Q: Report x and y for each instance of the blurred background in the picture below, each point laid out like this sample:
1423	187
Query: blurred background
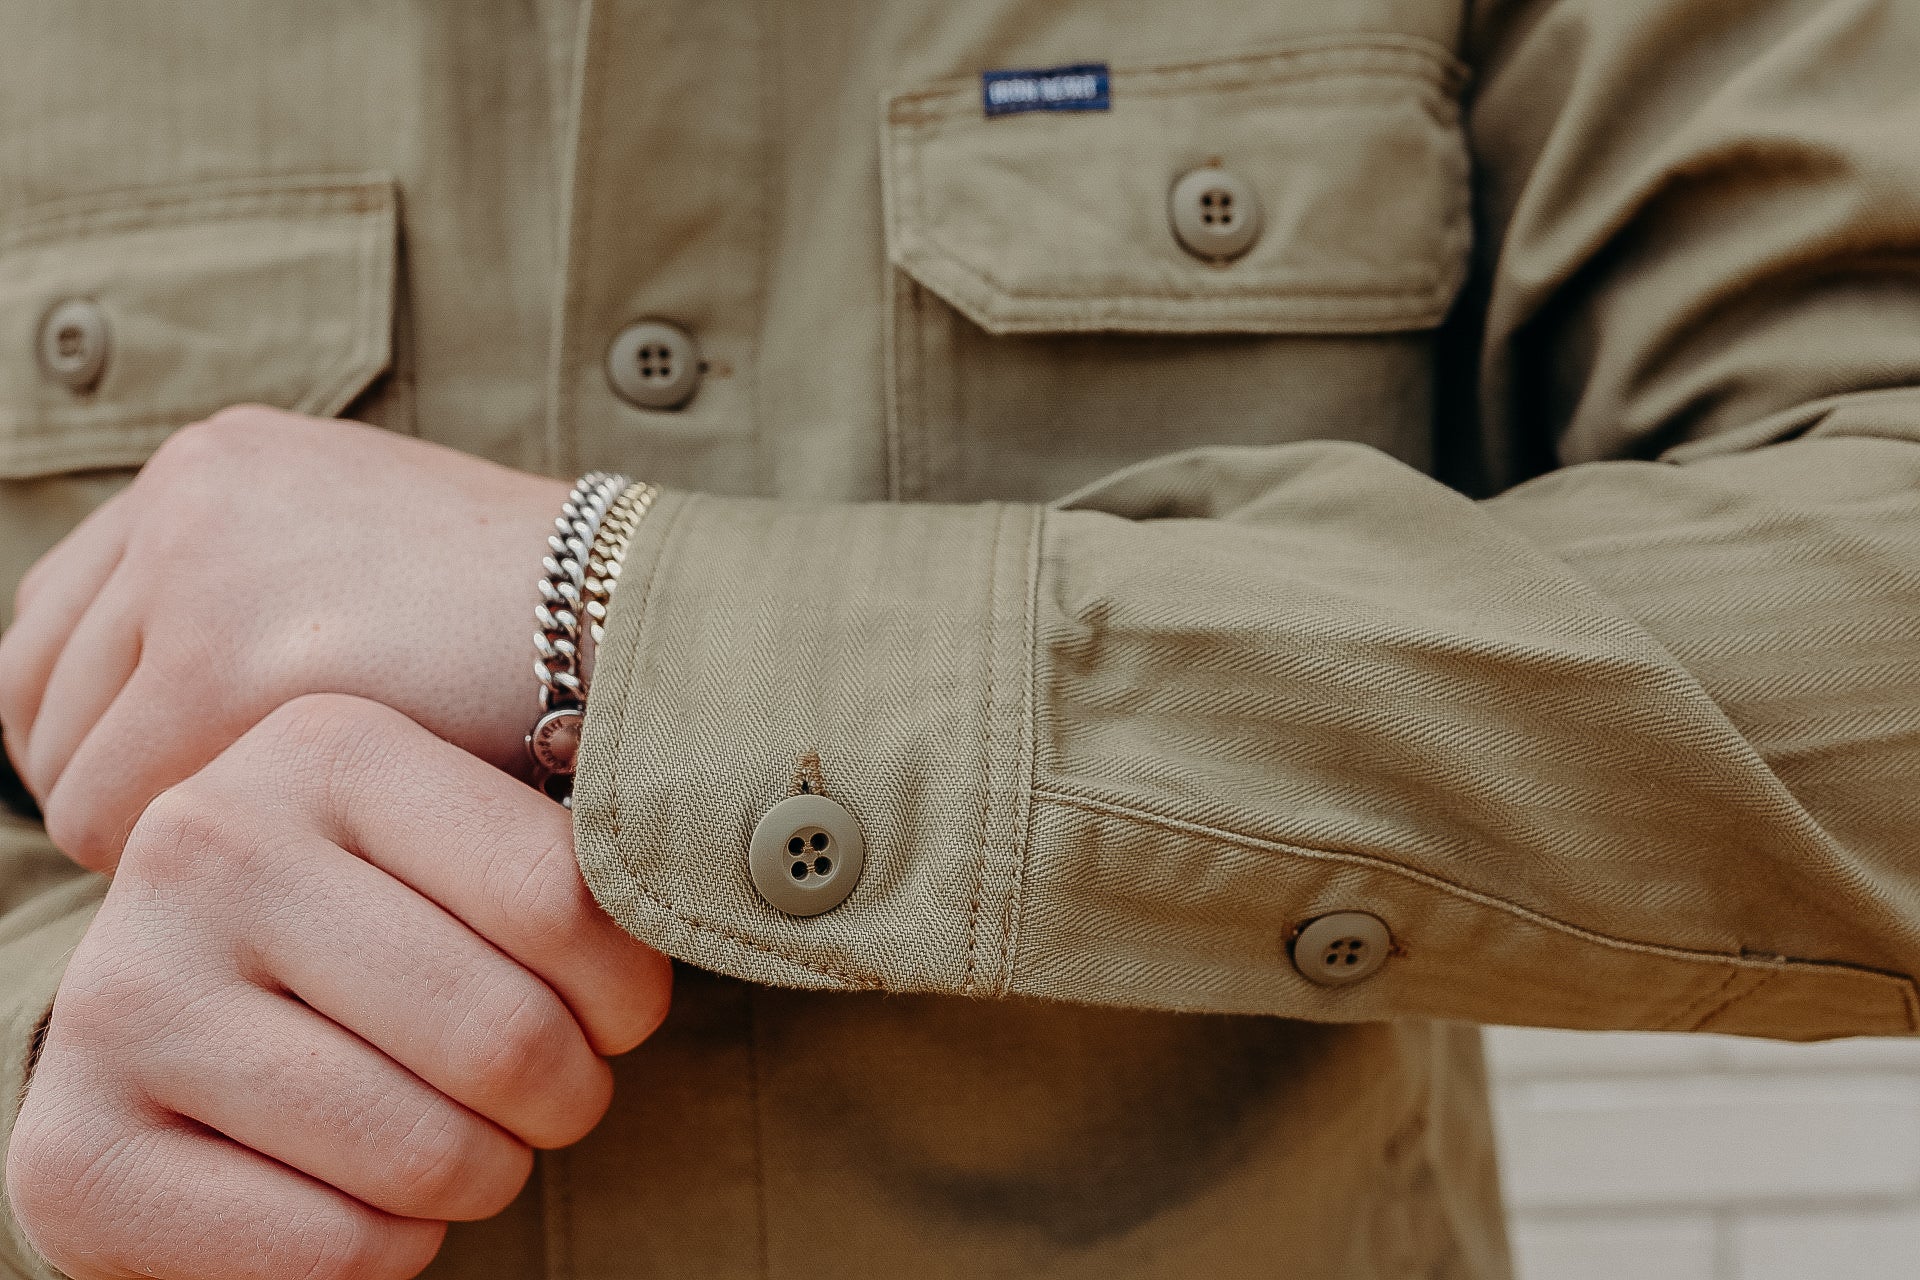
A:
1656	1157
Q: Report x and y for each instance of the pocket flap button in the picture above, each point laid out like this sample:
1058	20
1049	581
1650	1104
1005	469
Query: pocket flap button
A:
73	344
1216	215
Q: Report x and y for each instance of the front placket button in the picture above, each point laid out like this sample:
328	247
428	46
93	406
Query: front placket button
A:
654	365
806	855
1345	947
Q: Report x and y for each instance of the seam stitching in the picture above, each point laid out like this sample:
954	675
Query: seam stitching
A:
1030	754
1746	963
140	213
1314	59
328	389
638	885
728	934
1420	299
986	758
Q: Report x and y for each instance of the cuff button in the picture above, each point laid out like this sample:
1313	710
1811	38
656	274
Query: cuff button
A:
806	855
1342	948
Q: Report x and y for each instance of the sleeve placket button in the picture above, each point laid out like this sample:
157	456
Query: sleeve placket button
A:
1342	948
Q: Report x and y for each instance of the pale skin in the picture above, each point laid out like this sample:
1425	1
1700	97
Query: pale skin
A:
347	975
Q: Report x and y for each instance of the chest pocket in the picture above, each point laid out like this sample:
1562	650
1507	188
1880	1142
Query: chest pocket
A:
1245	251
125	317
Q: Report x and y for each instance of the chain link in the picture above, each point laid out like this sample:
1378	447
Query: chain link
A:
554	743
609	552
556	644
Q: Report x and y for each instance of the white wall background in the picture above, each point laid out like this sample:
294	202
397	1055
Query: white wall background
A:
1654	1157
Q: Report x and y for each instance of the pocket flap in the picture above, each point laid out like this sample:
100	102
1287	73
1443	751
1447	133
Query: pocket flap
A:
1054	221
277	293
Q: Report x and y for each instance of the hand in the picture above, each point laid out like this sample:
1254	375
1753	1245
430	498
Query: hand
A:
260	556
345	978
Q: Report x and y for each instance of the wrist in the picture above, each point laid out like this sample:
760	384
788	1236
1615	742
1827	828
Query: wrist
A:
476	683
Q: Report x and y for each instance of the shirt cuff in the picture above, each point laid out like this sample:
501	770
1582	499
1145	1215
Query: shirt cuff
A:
878	654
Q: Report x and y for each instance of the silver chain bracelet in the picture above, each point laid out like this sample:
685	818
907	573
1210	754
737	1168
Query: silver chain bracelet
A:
554	743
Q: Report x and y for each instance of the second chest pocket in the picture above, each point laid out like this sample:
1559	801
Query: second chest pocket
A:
1245	251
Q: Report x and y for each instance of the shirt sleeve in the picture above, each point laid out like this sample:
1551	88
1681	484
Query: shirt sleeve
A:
46	904
1632	744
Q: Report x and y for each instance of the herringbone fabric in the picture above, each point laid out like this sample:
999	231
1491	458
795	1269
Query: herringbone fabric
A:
1518	542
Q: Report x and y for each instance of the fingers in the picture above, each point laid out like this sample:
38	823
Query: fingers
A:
175	1202
52	599
96	662
294	1086
494	853
422	987
136	749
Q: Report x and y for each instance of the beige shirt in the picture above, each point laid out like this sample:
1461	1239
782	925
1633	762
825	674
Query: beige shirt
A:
1112	587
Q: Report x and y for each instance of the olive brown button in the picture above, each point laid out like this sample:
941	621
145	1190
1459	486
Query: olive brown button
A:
806	855
1341	948
73	343
654	365
1216	215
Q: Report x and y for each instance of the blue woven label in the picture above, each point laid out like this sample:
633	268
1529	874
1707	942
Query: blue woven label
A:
1077	88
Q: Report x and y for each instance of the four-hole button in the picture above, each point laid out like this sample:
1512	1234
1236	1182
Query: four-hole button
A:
1216	214
1342	948
806	855
654	365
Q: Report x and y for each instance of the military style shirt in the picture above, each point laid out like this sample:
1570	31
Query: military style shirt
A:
1279	531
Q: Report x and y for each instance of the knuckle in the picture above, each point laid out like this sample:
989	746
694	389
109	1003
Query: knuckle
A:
512	1042
544	894
448	1165
321	719
104	1004
193	449
41	1172
334	1245
179	836
328	737
434	1164
66	1179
